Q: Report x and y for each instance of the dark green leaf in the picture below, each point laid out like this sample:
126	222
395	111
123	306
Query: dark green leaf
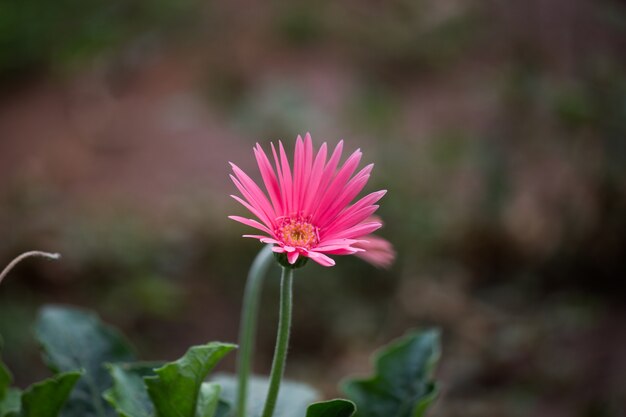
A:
403	385
46	398
129	395
176	387
331	408
73	339
10	404
293	397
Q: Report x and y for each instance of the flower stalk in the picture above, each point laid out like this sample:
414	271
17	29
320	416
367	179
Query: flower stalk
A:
282	341
248	325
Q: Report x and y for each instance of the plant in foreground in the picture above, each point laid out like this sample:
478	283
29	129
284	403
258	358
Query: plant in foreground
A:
308	214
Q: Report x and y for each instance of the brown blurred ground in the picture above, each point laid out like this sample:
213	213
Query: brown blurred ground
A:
498	128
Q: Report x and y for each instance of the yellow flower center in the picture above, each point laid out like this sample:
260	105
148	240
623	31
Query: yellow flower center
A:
297	232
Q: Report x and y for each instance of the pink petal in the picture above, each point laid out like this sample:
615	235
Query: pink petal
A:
327	175
308	165
315	178
270	240
359	230
252	192
342	251
349	220
339	246
292	257
262	216
281	180
263	239
354	214
350	191
378	251
251	223
340	241
269	178
338	249
320	258
288	181
338	183
298	173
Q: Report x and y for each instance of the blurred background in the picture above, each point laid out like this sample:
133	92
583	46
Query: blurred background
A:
498	128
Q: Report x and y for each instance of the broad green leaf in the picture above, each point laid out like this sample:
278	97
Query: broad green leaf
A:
293	397
176	388
129	395
403	384
46	398
10	403
76	339
331	408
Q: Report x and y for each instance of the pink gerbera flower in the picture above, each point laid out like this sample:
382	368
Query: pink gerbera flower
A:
306	211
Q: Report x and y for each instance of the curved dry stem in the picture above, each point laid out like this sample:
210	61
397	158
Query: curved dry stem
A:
25	255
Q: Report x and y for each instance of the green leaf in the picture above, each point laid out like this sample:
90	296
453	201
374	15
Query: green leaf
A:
46	398
129	395
175	390
10	403
75	339
293	397
331	408
403	385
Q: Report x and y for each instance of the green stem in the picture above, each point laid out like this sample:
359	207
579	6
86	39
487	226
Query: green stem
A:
247	327
282	341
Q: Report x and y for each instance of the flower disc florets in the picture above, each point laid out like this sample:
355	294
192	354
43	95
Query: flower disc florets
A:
297	232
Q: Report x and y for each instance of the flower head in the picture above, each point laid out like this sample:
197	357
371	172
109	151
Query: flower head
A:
307	211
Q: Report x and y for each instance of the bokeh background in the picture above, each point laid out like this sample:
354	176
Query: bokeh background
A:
498	127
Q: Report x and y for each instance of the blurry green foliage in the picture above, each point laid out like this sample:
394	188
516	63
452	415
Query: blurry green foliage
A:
152	295
119	246
374	107
95	376
36	34
46	398
573	107
332	408
300	23
403	384
276	109
404	35
177	389
72	339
